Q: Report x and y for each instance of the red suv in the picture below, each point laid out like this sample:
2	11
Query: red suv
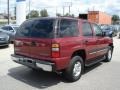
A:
62	44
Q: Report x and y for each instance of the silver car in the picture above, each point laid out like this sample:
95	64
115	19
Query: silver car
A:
4	39
10	30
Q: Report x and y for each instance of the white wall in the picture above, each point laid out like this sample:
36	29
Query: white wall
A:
20	11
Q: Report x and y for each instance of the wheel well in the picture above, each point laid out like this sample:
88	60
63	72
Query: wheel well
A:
81	53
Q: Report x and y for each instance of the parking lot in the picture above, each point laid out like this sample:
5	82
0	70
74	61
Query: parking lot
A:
102	76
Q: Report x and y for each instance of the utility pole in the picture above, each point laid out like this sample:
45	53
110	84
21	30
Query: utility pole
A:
0	5
56	11
29	8
70	5
63	10
8	6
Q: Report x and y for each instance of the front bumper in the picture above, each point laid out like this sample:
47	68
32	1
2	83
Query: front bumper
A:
33	63
4	43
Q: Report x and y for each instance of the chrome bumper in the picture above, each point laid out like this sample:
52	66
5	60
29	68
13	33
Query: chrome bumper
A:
44	65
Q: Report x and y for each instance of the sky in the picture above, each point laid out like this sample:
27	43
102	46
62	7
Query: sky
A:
77	6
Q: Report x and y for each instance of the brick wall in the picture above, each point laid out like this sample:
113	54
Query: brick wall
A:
99	17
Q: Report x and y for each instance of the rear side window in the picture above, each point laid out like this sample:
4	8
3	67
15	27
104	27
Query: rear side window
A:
86	29
25	29
68	28
37	29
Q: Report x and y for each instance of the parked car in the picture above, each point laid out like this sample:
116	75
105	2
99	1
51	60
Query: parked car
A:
119	35
109	30
4	39
10	30
65	45
117	27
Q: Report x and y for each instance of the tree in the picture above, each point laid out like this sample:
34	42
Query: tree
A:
58	14
33	14
68	15
44	13
115	18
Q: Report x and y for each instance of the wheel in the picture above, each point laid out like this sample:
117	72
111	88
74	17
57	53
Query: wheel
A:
119	36
74	70
108	56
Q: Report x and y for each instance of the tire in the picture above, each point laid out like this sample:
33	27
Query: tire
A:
74	70
7	46
108	56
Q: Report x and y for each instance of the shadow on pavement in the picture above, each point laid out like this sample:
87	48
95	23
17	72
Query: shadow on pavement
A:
4	47
39	78
91	68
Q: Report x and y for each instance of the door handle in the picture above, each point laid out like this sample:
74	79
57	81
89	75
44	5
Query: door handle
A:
86	41
33	43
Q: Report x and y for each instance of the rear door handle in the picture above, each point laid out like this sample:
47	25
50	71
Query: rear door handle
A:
33	43
86	41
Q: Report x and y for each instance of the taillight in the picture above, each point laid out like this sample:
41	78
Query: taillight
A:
55	50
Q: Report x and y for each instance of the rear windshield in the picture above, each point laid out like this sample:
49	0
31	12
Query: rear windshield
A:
36	29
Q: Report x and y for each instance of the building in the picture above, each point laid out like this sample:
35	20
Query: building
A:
4	16
97	17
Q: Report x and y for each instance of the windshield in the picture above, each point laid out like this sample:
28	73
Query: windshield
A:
42	28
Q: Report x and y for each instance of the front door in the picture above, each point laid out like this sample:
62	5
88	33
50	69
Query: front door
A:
102	47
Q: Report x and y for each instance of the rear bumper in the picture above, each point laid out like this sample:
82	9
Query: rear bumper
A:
33	63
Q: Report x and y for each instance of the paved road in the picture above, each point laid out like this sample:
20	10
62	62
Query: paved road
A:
102	76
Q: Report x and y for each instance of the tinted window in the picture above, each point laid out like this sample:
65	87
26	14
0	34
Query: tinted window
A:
7	28
86	29
68	28
97	29
36	29
10	28
25	29
43	29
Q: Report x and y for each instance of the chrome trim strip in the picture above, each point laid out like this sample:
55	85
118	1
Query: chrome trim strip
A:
98	51
102	50
92	53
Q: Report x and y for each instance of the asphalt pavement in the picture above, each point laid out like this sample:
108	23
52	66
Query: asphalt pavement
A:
102	76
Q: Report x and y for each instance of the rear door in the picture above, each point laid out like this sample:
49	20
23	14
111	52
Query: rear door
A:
42	34
22	39
33	39
89	41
